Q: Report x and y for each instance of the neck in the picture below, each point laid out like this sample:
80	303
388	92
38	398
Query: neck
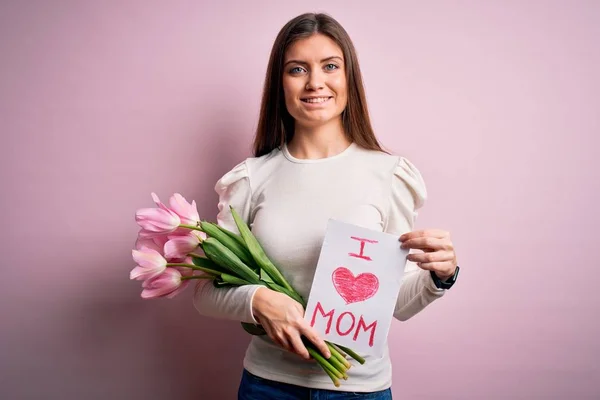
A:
319	141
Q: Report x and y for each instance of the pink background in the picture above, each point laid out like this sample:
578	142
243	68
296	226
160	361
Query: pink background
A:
101	103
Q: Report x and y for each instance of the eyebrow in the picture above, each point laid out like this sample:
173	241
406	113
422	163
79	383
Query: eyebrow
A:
305	63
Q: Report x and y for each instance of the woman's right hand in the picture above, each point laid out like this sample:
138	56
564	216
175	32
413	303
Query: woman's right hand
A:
283	319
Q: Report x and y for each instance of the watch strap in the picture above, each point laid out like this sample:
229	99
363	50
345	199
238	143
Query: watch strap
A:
448	283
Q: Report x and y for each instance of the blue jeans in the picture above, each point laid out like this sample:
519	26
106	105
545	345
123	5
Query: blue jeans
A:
253	387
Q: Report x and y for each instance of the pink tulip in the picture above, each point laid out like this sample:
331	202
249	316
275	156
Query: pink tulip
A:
159	203
181	246
168	284
150	264
155	243
184	270
157	221
188	213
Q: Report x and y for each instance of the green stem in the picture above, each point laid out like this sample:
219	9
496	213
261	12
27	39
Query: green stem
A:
190	227
197	277
207	270
336	353
335	346
323	362
352	354
338	365
334	379
333	361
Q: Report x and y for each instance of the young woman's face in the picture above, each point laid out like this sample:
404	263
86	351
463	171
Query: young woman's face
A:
314	81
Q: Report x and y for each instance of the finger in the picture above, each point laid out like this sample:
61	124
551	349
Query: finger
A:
437	256
428	243
437	233
299	347
314	337
442	268
284	342
276	338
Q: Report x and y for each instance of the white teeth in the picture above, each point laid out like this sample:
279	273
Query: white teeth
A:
316	100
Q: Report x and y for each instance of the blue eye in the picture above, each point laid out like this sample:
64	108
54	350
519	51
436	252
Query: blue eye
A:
296	70
328	67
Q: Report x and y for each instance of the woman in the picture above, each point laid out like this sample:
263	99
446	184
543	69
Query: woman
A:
316	157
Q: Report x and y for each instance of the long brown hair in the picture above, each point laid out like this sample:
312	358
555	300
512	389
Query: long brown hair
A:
276	125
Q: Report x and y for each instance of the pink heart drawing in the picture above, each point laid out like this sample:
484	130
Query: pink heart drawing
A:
354	289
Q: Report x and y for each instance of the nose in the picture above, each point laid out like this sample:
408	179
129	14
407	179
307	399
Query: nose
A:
315	81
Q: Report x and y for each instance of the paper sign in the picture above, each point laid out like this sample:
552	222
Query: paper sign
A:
355	287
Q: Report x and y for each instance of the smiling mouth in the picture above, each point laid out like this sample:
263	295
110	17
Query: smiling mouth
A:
316	100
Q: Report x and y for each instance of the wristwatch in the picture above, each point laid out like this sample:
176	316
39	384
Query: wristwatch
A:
448	283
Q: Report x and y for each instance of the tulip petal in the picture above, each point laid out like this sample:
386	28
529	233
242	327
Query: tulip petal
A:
148	258
157	220
150	263
185	271
180	246
158	202
150	235
178	290
200	235
162	285
149	243
139	273
188	213
160	241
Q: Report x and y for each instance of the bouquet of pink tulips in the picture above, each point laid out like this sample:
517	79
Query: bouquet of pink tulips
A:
167	259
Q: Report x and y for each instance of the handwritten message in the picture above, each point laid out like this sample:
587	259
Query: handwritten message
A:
355	287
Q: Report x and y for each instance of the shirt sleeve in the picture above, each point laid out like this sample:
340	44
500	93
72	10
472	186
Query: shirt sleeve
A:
408	194
234	303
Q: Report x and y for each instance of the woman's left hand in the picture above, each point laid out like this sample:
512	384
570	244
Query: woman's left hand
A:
438	251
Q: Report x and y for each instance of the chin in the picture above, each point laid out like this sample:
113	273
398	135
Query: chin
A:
317	119
313	122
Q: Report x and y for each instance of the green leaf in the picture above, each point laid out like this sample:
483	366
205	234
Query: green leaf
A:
257	251
232	235
265	277
234	245
253	329
233	280
206	263
220	254
291	293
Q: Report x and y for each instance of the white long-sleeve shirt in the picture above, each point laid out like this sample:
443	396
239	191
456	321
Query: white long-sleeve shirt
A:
287	202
